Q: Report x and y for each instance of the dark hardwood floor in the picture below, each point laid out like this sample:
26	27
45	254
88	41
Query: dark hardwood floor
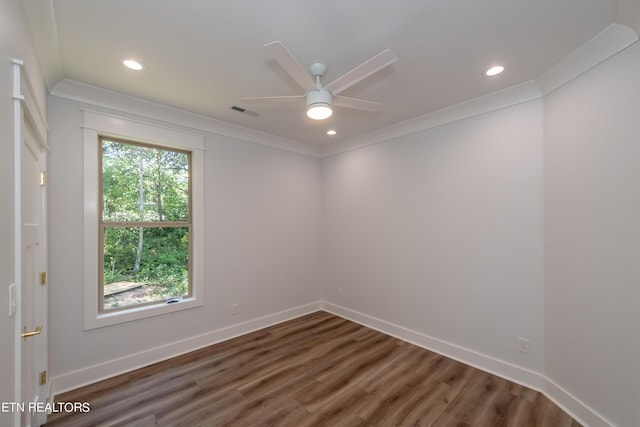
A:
317	370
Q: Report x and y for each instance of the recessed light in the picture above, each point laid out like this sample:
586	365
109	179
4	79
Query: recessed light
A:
494	71
134	65
331	132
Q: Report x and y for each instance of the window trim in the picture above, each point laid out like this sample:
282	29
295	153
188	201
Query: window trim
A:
95	124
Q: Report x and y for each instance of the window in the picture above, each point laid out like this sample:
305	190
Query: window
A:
143	220
145	225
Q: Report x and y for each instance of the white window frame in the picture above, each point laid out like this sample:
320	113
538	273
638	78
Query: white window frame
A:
95	124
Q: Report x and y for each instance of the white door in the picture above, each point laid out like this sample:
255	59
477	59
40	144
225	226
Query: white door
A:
33	296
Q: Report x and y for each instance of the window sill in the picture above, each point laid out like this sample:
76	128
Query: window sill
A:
136	313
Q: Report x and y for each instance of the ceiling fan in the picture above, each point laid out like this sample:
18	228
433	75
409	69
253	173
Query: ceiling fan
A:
320	99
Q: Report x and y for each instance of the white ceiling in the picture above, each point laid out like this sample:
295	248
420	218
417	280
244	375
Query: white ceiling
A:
203	56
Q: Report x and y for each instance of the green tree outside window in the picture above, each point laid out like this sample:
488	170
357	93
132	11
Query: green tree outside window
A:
145	224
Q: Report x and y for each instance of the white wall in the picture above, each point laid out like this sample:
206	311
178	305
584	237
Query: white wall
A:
440	232
592	237
15	42
263	208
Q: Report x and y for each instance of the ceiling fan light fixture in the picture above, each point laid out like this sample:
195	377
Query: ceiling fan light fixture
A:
319	104
319	111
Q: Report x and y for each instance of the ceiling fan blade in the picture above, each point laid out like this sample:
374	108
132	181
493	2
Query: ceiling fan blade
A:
274	100
290	65
356	104
361	72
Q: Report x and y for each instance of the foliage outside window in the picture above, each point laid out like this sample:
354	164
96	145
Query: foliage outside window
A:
145	225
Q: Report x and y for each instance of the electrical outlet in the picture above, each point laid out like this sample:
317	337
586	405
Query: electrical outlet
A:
523	345
234	308
340	292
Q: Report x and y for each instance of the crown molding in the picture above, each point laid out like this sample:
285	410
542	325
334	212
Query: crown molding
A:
609	42
494	101
196	123
612	40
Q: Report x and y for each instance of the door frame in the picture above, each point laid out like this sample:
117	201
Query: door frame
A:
26	109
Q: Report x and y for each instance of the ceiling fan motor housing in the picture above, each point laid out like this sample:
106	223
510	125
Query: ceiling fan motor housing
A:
321	96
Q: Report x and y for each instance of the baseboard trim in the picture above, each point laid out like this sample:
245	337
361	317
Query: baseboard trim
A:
75	379
533	380
573	406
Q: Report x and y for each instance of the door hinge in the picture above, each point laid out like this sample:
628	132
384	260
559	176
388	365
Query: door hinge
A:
43	377
43	278
43	178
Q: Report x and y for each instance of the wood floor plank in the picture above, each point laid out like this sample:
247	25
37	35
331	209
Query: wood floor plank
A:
410	365
316	370
410	405
471	405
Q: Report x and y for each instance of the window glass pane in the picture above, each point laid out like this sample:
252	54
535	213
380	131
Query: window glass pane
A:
144	264
141	183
